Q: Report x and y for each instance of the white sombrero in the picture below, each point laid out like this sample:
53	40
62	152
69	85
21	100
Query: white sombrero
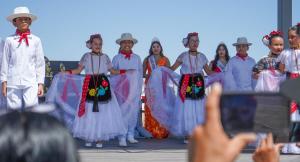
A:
21	12
241	41
126	36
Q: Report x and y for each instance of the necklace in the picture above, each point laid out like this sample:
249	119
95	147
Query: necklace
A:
196	63
95	80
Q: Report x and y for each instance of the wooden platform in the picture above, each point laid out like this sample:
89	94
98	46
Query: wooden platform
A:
152	150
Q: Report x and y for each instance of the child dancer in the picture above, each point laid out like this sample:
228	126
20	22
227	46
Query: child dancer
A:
155	59
289	63
99	117
189	111
221	59
23	66
238	72
267	68
126	60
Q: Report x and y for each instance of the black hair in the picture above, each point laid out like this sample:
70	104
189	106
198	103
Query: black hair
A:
298	29
215	61
35	137
151	52
294	28
274	36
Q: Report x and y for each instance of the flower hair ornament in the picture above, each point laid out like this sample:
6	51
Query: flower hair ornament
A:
88	43
185	41
266	38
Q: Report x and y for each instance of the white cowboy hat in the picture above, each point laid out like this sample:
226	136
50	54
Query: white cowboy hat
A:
242	40
126	36
21	12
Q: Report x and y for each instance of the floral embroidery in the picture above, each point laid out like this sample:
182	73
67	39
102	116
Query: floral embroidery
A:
104	83
92	92
101	90
192	85
188	89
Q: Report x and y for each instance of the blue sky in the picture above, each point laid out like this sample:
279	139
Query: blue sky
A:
65	25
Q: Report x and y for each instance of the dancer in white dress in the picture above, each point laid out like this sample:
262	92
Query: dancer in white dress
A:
266	71
189	111
289	64
99	118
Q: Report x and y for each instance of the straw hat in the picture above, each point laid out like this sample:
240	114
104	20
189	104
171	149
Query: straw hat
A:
241	41
126	36
21	12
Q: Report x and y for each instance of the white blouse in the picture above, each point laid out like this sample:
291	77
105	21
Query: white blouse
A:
21	64
89	59
120	62
291	60
192	64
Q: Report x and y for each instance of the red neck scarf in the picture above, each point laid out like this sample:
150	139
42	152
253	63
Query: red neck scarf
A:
127	54
243	57
23	36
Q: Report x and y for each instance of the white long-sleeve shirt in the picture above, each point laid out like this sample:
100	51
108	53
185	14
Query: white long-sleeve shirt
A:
1	50
22	65
120	62
238	74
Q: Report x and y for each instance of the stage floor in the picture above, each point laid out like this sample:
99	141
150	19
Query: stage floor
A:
151	150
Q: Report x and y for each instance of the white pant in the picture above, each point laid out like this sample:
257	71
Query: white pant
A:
16	94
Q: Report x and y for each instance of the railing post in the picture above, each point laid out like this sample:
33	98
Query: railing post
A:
284	18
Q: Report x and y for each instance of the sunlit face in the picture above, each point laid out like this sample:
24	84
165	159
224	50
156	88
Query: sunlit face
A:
22	23
156	49
221	51
193	43
294	39
277	45
96	45
242	49
126	45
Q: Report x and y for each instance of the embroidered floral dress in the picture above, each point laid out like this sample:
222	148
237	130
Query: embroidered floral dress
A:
107	122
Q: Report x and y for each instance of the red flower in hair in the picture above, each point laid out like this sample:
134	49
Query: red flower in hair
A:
267	37
193	34
273	33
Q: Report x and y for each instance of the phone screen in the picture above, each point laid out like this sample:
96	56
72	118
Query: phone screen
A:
256	112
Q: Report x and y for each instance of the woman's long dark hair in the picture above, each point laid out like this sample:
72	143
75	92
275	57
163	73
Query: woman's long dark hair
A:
215	61
151	52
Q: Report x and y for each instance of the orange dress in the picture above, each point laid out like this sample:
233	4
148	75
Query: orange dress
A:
151	124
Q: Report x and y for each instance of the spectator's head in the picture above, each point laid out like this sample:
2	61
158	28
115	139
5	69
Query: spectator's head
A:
34	137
